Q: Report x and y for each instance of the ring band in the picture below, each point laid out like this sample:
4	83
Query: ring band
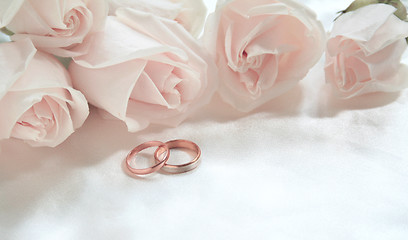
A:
159	163
181	168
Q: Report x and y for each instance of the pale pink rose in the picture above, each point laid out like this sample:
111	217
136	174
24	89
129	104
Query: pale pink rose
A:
59	26
8	8
364	52
145	69
262	48
37	102
189	13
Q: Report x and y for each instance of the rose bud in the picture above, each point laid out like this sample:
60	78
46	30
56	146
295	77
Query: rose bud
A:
365	56
59	27
37	102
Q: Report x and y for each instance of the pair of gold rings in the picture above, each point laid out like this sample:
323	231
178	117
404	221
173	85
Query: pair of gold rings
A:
162	155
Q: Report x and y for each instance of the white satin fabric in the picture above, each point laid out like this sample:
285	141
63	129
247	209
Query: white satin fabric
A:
303	166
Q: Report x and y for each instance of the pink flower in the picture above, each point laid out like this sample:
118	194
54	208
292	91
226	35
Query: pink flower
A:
364	52
263	48
37	102
189	13
59	26
145	69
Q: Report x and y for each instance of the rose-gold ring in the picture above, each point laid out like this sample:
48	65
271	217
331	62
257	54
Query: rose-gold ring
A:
159	161
170	168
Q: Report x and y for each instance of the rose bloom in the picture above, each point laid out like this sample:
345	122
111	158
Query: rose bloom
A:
262	48
145	69
37	102
364	52
189	13
59	26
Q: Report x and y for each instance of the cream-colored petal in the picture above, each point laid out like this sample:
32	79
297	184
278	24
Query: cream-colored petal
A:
8	9
12	68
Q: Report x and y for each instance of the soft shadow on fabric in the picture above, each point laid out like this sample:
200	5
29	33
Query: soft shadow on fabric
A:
286	105
329	105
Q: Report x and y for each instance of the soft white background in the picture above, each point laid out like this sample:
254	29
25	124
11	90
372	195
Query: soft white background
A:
303	166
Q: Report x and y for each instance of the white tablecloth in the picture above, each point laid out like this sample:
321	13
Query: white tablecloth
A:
303	166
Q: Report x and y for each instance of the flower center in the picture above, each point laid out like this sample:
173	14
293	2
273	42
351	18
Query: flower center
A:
76	22
246	62
35	123
164	84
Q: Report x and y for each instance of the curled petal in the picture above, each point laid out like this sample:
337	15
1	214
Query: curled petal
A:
13	68
262	47
364	56
45	108
383	26
61	27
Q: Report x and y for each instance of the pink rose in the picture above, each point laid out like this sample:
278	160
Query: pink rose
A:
145	69
364	52
37	102
59	26
189	13
263	48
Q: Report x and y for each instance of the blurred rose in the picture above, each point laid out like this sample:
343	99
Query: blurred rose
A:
364	52
189	13
263	48
59	26
8	8
145	69
37	102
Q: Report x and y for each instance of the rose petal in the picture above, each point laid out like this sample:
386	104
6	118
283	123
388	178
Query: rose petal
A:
146	91
166	32
162	8
99	10
109	51
13	68
8	9
158	74
43	27
61	27
190	14
262	47
375	21
43	71
364	52
101	91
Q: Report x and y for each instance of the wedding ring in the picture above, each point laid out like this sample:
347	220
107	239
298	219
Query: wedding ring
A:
181	168
159	159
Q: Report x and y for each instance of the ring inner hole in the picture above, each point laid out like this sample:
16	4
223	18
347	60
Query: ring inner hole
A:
144	159
179	156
